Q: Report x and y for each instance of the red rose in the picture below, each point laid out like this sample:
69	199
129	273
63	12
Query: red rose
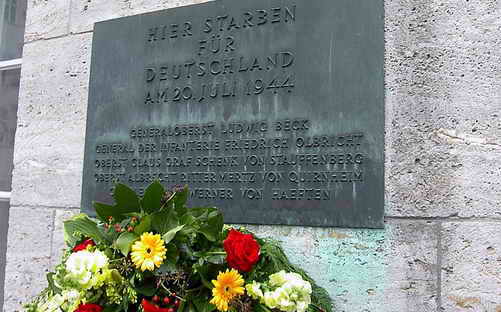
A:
242	251
89	307
82	246
151	307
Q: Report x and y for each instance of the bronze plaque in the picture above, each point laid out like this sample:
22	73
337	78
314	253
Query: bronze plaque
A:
271	110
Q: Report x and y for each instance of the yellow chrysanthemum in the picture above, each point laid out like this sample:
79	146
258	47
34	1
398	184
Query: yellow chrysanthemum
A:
148	252
228	285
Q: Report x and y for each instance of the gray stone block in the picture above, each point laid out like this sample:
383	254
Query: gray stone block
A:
444	178
28	254
24	281
442	96
46	19
471	266
368	270
84	13
51	122
58	245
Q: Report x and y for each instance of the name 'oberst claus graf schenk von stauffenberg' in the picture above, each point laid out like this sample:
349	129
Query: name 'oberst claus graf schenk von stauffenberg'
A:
272	111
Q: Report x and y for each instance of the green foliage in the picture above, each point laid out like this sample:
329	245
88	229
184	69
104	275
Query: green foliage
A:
113	308
82	226
201	304
172	254
164	221
125	241
126	203
52	285
179	200
273	259
195	255
151	201
144	226
147	290
126	199
212	226
104	211
167	237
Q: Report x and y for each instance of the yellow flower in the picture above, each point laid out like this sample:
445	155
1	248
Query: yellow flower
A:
228	285
148	252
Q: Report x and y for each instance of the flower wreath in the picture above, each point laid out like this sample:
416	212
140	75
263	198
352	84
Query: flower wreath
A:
153	254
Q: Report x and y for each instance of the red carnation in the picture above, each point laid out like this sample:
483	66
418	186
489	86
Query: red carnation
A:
150	307
82	246
89	307
242	251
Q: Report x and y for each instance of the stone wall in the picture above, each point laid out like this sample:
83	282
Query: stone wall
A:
441	246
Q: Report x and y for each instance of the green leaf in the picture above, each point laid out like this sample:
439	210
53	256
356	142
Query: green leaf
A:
125	241
105	211
202	304
167	237
132	214
182	306
180	199
80	225
262	308
109	252
216	259
213	227
166	268
202	271
164	221
52	285
187	251
143	226
172	254
146	290
191	308
187	219
126	199
115	275
152	198
201	212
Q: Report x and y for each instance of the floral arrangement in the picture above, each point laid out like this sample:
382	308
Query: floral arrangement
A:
154	254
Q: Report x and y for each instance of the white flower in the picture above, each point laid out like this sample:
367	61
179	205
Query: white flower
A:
254	290
289	292
271	299
100	261
278	279
301	306
52	305
70	299
87	268
72	295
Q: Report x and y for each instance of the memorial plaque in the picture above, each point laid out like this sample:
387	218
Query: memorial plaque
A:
271	110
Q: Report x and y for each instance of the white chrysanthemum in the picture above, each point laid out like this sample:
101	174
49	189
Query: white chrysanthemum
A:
254	290
84	260
271	299
87	268
72	295
301	306
53	304
76	263
289	292
278	279
69	299
99	261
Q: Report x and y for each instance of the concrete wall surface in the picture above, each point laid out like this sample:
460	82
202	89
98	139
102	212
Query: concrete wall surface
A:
441	246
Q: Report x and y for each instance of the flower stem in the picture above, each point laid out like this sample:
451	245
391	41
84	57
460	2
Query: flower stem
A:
170	292
216	253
